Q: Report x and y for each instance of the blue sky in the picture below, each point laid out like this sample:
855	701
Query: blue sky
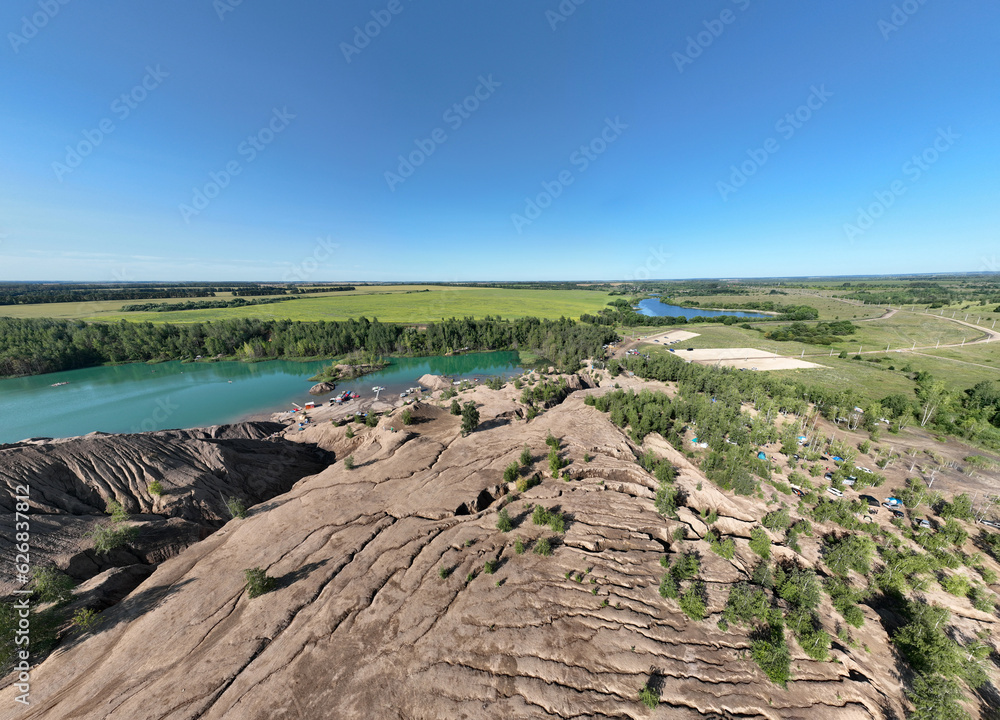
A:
622	140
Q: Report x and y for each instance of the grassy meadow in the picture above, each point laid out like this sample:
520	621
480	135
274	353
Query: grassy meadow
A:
388	303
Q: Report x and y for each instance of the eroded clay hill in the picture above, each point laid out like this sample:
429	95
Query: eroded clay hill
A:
71	481
363	623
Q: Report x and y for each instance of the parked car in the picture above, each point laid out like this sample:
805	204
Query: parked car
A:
835	491
924	524
899	513
991	523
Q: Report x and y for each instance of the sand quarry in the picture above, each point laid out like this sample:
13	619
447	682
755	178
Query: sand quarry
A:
744	359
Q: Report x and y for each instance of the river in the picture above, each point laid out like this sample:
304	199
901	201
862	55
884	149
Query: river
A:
652	307
140	397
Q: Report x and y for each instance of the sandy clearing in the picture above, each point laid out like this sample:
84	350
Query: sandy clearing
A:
746	358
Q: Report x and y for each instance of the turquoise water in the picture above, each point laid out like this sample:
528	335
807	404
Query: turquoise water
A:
140	397
654	308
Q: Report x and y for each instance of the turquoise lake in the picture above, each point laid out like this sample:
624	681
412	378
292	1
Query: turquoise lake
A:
651	307
140	397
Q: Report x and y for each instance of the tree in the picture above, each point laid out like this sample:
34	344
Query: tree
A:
936	697
470	418
850	552
456	409
760	543
504	523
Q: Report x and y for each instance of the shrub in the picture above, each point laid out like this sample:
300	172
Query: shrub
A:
526	483
470	418
510	473
850	552
349	462
649	697
746	604
760	543
526	458
444	572
156	488
543	547
85	620
350	432
456	408
726	548
555	462
518	546
770	651
50	585
551	441
539	516
956	585
116	511
668	586
692	602
371	420
257	582
470	577
777	519
982	599
490	567
936	697
504	523
407	416
680	533
108	536
557	522
587	457
686	567
236	508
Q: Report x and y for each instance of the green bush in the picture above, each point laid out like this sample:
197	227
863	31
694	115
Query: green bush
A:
349	462
504	523
760	543
746	604
936	697
470	418
116	511
519	546
511	472
257	582
456	408
85	620
540	515
350	432
526	483
649	697
407	416
108	536
557	522
444	572
778	519
668	586
770	651
552	442
686	567
156	488
692	602
543	547
526	458
490	567
956	585
236	508
50	585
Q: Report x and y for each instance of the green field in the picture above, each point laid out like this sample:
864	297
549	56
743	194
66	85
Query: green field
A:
389	303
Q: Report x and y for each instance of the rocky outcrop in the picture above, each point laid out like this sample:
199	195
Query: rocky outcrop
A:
323	388
383	607
434	382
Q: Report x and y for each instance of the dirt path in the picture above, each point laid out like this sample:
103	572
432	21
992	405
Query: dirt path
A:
885	316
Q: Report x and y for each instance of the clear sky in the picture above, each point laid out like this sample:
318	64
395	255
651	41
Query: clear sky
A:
614	139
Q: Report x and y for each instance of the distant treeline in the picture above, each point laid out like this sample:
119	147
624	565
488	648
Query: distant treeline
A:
280	290
33	293
210	304
924	293
35	346
620	312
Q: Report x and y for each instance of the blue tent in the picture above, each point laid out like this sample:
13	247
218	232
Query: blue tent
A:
761	456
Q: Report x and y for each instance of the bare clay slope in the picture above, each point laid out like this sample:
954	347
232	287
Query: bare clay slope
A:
362	625
70	483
